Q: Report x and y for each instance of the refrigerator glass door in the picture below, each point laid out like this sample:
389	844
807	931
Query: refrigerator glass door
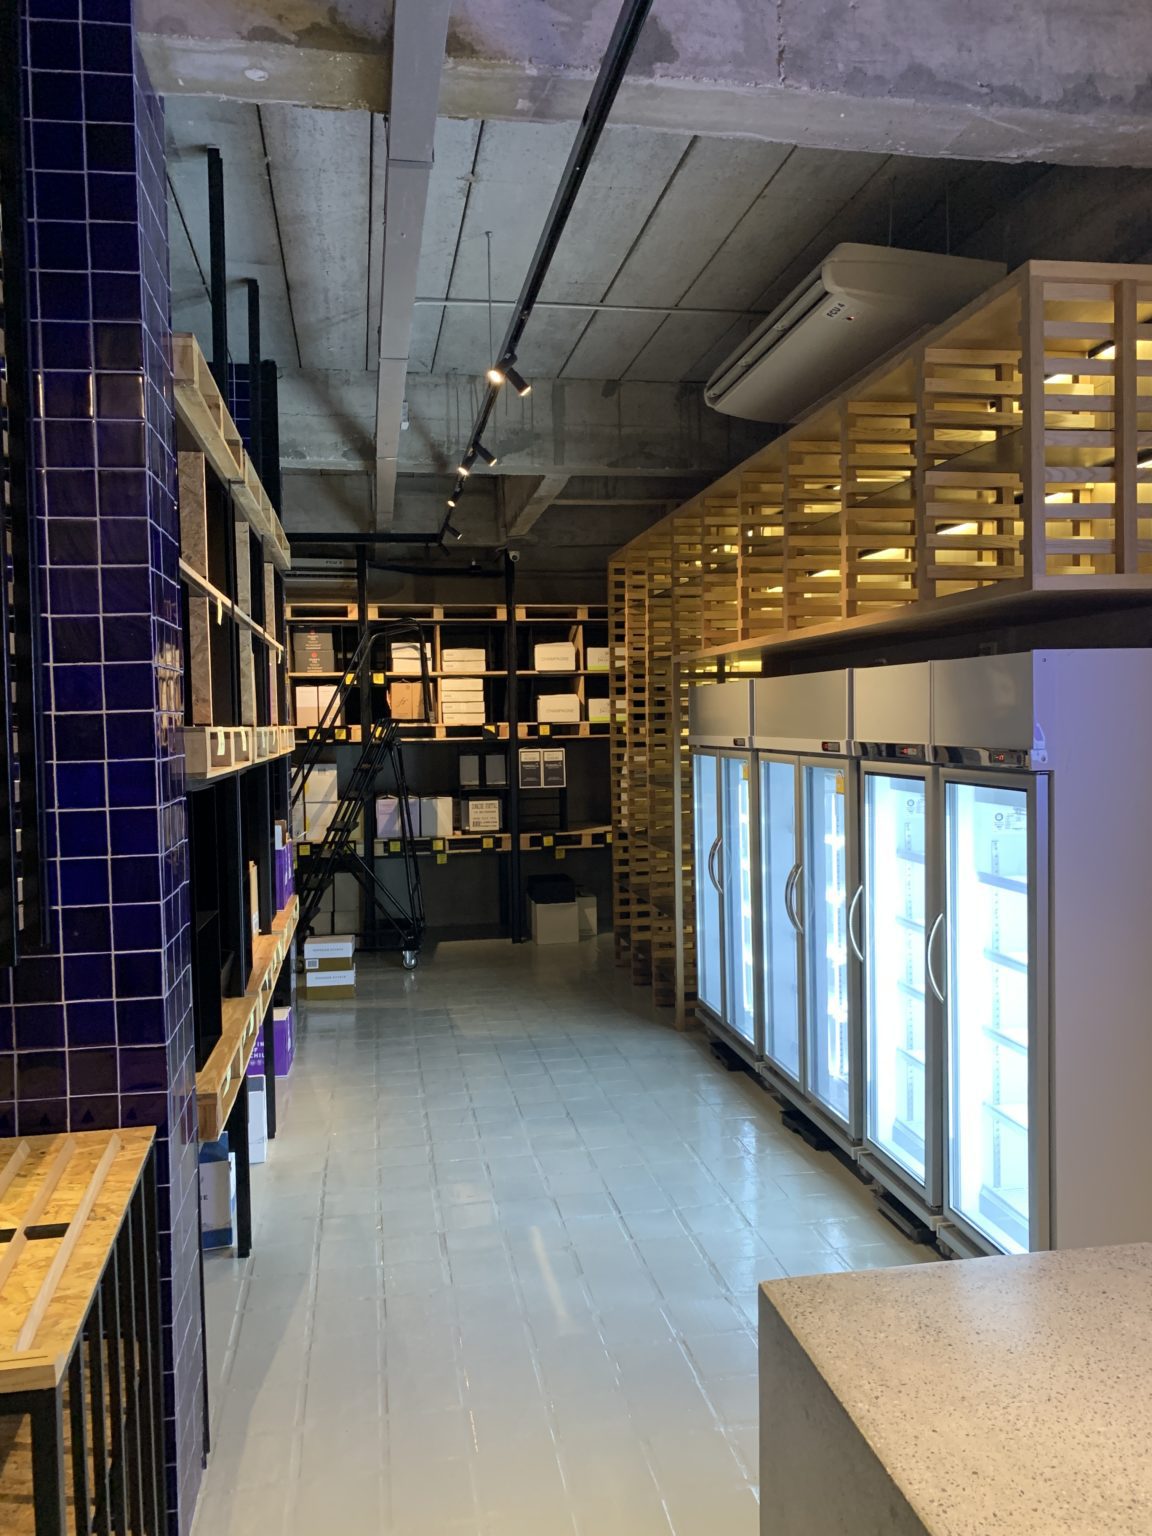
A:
988	898
706	808
734	869
821	897
781	973
895	1004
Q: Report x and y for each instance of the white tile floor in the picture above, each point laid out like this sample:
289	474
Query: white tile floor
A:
505	1267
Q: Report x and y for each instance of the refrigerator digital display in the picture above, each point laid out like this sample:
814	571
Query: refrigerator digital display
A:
894	936
988	1009
824	897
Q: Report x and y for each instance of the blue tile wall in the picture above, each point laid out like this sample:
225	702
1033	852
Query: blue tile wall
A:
98	1032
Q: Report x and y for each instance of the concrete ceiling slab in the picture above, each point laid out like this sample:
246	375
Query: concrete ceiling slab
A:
676	345
609	345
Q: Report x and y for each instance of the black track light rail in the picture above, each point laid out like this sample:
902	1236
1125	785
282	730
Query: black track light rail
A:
617	57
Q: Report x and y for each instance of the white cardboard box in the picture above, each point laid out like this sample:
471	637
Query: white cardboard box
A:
587	917
388	816
554	922
467	689
404	658
257	1120
341	946
479	815
462	658
555	657
600	710
330	986
596	658
306	704
435	816
457	714
314	810
217	1194
560	708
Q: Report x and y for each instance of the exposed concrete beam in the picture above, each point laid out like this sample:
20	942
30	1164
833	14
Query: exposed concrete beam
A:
534	508
420	30
982	81
564	427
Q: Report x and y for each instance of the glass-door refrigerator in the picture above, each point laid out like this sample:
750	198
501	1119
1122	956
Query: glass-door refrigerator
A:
888	932
725	836
809	993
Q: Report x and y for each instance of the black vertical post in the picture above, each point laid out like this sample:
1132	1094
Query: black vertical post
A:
49	1496
217	271
268	1029
366	723
237	1129
270	432
515	894
255	381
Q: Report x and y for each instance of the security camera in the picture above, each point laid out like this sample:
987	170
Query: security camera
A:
514	555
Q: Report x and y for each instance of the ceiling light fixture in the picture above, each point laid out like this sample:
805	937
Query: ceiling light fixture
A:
496	375
517	381
482	453
466	463
455	532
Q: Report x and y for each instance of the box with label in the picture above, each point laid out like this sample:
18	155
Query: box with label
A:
600	711
435	816
495	769
217	1194
306	704
554	922
330	986
406	700
313	650
554	657
596	658
340	946
479	815
469	767
404	657
257	1119
558	708
462	688
284	1043
462	658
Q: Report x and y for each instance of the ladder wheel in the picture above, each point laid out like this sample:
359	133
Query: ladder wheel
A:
410	957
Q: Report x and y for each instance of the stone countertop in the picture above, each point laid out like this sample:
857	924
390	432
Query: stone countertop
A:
1001	1395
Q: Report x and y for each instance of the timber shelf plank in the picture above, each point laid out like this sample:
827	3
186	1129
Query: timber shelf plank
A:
218	1081
215	751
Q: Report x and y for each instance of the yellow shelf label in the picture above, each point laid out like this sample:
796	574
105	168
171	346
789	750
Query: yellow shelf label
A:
378	678
548	841
486	842
438	844
560	852
303	850
441	858
545	730
394	845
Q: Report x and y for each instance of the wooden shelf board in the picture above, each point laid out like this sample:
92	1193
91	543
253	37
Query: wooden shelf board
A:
216	751
218	1081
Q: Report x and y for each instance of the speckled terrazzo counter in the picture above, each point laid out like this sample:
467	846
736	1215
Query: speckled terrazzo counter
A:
962	1399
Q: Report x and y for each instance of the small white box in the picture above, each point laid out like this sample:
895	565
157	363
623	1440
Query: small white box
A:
558	708
554	922
306	704
330	985
600	711
316	807
217	1194
458	715
388	820
435	816
587	916
257	1120
462	689
461	658
480	815
596	658
558	657
340	946
404	658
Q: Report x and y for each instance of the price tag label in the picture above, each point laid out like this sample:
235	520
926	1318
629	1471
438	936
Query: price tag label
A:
545	730
560	852
378	679
438	844
548	841
394	845
441	858
486	842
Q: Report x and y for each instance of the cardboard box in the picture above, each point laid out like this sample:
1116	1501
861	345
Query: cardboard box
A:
560	657
554	922
465	689
257	1119
317	805
587	914
253	898
404	657
562	708
279	834
600	710
330	986
596	658
469	770
478	815
313	650
284	1036
341	946
217	1194
388	822
306	704
406	701
495	769
283	875
462	658
435	816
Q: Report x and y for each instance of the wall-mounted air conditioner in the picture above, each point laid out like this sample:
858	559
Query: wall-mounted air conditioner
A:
861	301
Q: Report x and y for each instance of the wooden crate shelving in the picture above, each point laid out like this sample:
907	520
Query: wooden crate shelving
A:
1005	457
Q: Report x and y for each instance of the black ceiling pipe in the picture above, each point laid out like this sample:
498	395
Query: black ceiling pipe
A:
255	381
613	68
217	272
360	538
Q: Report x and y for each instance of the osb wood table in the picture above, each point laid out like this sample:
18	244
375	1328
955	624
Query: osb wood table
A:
81	1407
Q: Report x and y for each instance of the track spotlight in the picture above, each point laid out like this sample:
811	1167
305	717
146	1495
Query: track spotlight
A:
467	462
518	383
496	375
455	532
452	499
482	453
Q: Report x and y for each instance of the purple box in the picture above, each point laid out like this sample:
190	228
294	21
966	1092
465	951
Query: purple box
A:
284	1034
283	876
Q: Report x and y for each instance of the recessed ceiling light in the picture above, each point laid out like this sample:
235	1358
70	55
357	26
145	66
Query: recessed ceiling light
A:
255	74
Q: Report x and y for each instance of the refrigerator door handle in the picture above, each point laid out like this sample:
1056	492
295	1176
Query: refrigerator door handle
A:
796	918
932	982
853	937
711	866
788	888
722	882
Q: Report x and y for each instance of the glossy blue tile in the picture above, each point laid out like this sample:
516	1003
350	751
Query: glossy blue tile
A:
73	541
88	978
80	786
54	45
139	974
133	735
91	1023
123	541
57	146
143	1069
8	1122
85	930
74	591
138	925
82	834
132	784
120	444
134	880
75	639
93	1072
66	395
105	99
100	1113
40	1117
108	49
58	195
39	1026
84	882
117	346
112	198
78	688
134	832
123	493
68	444
7	1079
41	1074
113	247
119	396
37	980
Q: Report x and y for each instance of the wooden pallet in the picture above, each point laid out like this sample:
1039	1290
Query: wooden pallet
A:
218	1081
